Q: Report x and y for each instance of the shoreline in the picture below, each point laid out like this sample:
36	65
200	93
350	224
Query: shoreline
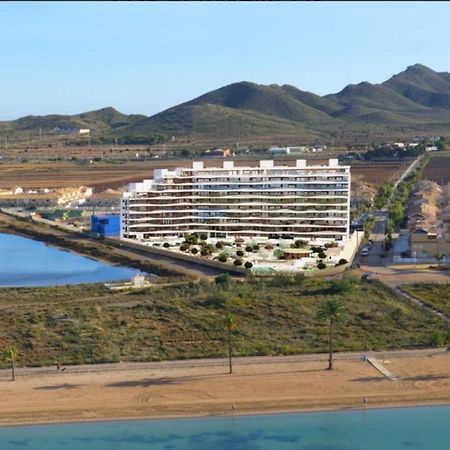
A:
189	391
256	413
86	246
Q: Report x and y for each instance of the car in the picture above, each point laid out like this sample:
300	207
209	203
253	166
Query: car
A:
365	251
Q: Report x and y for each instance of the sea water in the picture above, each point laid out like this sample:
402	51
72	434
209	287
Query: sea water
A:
26	262
424	428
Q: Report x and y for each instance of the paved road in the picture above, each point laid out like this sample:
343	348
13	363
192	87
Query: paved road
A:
217	362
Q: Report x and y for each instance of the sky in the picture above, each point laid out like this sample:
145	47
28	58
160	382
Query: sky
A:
141	58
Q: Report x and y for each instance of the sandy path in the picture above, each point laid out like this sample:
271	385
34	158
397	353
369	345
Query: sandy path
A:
195	390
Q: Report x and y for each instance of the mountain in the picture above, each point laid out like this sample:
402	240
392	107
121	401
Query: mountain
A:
414	101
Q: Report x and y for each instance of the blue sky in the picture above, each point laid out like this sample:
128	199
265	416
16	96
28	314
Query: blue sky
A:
144	57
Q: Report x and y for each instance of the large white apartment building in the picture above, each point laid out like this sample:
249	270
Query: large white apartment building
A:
298	200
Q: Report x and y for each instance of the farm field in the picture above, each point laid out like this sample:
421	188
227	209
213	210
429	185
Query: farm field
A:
377	172
438	169
114	175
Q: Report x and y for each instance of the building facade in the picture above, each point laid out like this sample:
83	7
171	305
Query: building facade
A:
105	224
269	201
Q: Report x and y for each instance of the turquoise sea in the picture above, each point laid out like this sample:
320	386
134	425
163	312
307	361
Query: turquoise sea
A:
26	262
425	428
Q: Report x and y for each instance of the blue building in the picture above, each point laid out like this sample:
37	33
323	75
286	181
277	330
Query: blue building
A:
106	225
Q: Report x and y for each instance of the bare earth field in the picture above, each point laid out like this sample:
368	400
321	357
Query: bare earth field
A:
438	169
103	176
196	389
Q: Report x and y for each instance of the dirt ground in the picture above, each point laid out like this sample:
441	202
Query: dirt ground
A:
174	389
103	176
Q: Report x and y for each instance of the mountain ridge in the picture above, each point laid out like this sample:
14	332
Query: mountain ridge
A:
414	100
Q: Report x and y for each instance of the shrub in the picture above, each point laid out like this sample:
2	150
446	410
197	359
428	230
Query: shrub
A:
322	255
278	253
437	339
223	279
238	262
166	245
204	252
219	244
269	247
203	237
300	243
194	251
248	265
321	266
255	248
342	261
184	247
249	248
240	253
191	238
222	258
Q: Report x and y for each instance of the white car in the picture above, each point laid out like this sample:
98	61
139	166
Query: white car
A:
365	251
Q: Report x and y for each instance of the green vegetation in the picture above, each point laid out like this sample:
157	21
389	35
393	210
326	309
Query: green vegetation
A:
90	324
432	294
10	354
333	312
383	194
398	205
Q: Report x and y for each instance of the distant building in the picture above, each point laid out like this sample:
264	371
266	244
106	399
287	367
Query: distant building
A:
62	197
221	152
84	131
106	225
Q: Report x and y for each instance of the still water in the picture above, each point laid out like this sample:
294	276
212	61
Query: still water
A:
425	428
25	262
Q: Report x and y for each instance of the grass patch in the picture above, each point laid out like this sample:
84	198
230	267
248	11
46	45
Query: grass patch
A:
432	294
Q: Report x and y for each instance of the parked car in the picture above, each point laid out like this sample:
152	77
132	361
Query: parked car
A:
365	251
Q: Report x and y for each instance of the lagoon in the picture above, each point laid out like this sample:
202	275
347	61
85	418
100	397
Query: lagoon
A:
26	262
424	428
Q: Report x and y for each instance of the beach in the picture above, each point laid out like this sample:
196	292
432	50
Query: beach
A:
203	388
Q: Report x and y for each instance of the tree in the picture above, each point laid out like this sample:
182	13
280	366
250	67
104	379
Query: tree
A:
231	325
10	353
440	258
334	312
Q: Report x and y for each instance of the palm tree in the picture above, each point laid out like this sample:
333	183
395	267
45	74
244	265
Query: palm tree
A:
231	325
10	353
334	312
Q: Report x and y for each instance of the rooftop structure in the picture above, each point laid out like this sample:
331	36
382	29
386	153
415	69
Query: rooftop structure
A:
268	202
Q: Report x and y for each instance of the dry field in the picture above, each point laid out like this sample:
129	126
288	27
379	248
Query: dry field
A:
377	172
438	169
103	175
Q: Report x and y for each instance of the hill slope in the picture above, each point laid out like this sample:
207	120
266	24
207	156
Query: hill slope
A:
415	100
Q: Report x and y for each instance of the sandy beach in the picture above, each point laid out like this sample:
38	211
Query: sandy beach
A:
199	389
